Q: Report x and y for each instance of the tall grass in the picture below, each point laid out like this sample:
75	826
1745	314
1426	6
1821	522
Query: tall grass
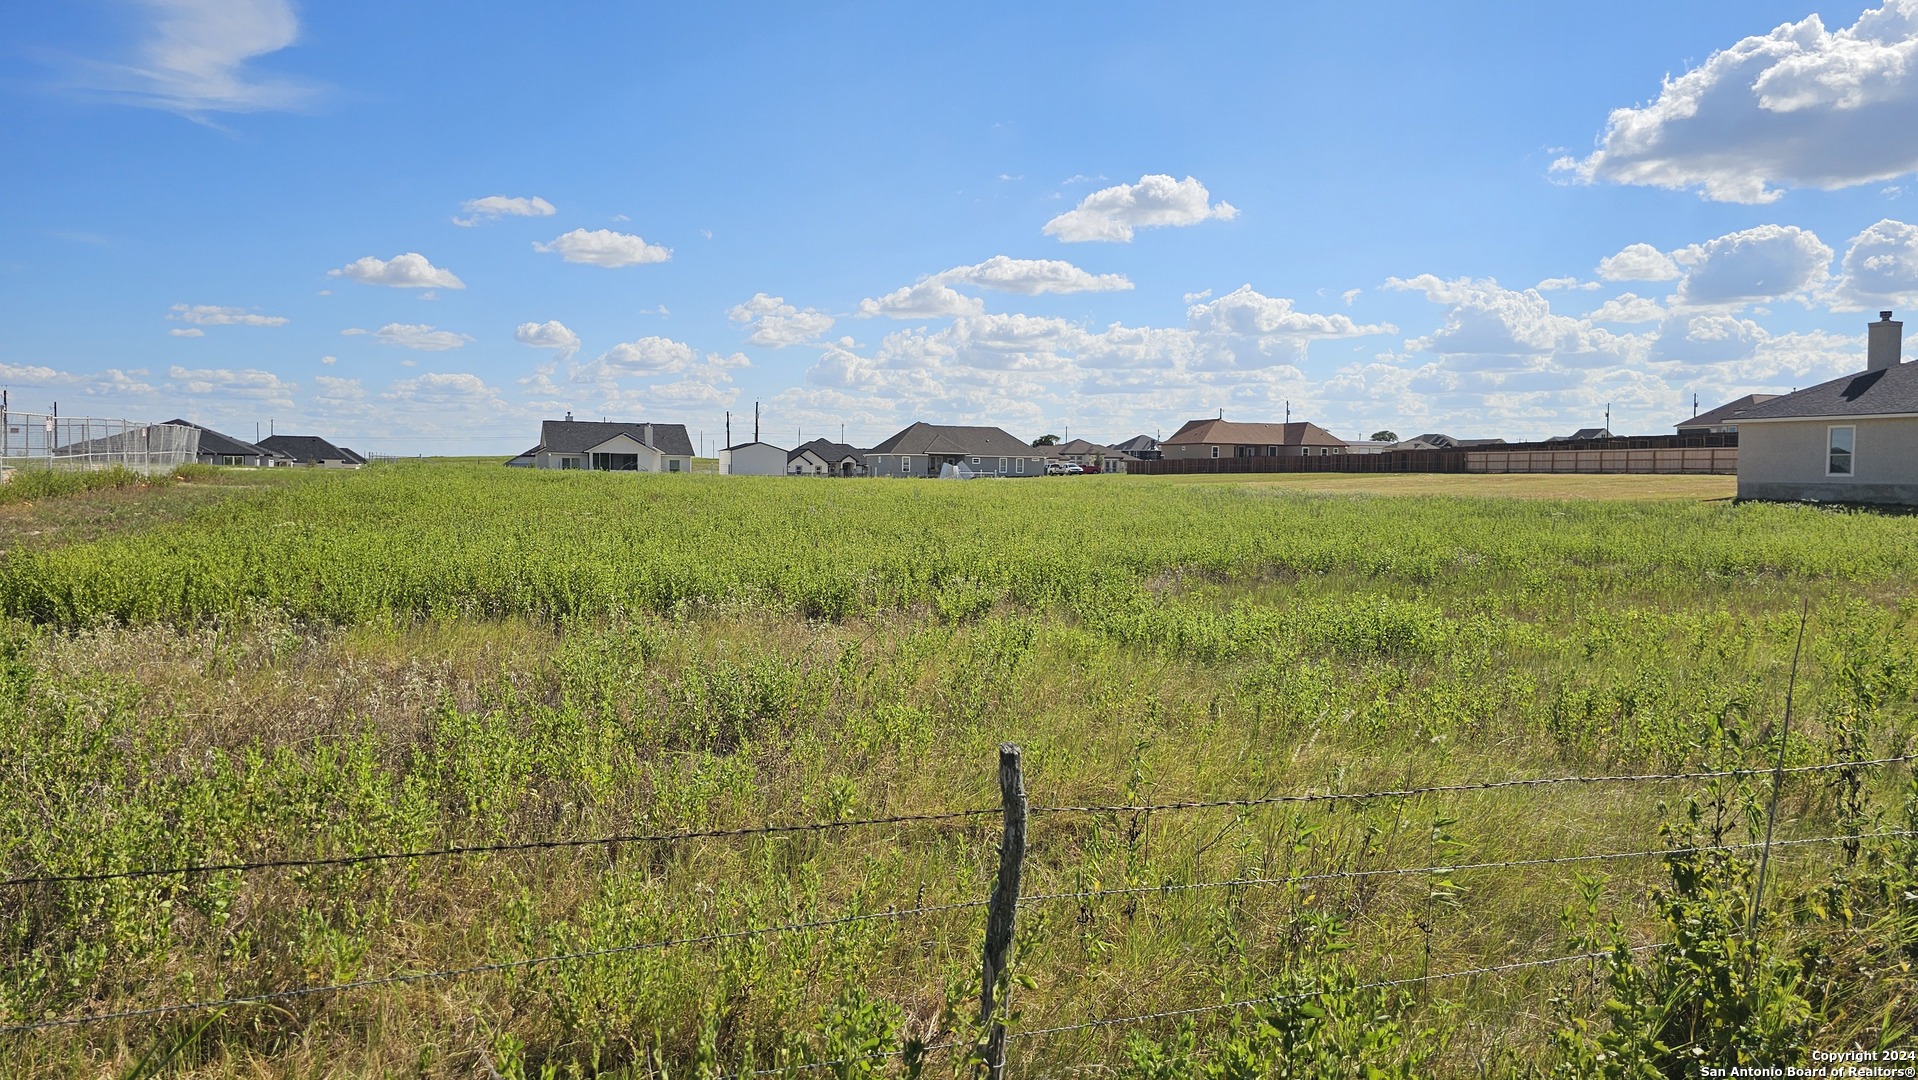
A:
418	656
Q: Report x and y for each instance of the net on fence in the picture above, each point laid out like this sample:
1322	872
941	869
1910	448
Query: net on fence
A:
38	440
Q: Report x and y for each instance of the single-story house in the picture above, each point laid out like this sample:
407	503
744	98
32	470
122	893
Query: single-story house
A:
1584	434
924	449
1230	439
1853	439
823	457
217	448
1141	447
612	446
312	450
752	459
1721	419
1082	452
1433	440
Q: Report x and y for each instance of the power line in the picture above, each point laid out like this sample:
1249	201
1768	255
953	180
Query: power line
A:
482	969
489	849
1436	789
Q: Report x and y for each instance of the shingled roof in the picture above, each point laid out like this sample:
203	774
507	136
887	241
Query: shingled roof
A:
222	445
1891	391
309	448
924	438
579	436
832	453
1725	413
1299	433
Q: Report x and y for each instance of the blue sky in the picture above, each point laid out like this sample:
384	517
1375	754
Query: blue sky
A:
421	228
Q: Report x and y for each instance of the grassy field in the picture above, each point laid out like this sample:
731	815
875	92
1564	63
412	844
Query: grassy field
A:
417	656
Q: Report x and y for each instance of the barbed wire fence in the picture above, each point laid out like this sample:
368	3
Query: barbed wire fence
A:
1000	907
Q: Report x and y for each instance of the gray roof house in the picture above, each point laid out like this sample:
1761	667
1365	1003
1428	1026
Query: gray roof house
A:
611	446
1721	419
1143	447
312	450
1853	439
924	449
217	448
823	457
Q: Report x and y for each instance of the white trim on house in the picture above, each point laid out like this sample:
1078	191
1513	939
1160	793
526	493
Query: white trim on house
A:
1850	449
1847	418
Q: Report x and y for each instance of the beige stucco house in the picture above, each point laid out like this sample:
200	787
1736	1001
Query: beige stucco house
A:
1853	439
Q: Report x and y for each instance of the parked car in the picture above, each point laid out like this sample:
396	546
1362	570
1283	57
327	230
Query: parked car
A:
1073	468
1055	468
1093	469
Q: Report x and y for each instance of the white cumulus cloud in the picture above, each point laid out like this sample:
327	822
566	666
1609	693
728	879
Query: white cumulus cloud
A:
418	336
250	383
1246	312
208	315
777	324
1628	308
1802	106
186	331
1030	277
1639	262
646	356
604	247
494	207
446	390
408	271
1880	268
1112	214
925	300
551	334
1765	263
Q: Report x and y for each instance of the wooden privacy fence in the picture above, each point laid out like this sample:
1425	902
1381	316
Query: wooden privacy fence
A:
1669	454
1716	460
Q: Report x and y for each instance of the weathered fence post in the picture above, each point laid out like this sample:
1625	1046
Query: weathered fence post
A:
1001	909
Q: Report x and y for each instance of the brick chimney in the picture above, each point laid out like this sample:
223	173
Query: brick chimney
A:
649	427
1885	343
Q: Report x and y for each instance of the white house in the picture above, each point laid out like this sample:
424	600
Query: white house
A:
1853	439
752	459
599	446
823	457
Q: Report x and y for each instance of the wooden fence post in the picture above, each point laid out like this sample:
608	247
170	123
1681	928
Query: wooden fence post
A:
1001	909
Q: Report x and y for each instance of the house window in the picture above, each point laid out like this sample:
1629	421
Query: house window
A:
672	465
1838	456
1215	451
1002	466
1021	466
975	461
569	463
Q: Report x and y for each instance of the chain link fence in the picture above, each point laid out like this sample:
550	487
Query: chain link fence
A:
44	441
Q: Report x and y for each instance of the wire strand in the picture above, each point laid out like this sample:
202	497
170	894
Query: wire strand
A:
490	849
482	969
1397	871
1436	789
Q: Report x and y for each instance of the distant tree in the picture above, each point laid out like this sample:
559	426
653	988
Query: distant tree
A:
1046	440
1385	436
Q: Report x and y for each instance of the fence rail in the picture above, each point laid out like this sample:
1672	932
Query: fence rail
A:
1668	454
47	441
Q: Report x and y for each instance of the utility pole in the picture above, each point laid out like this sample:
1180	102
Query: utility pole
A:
1288	410
1694	405
729	427
755	421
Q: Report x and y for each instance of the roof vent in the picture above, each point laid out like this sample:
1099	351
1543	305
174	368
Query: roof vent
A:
569	416
1884	343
